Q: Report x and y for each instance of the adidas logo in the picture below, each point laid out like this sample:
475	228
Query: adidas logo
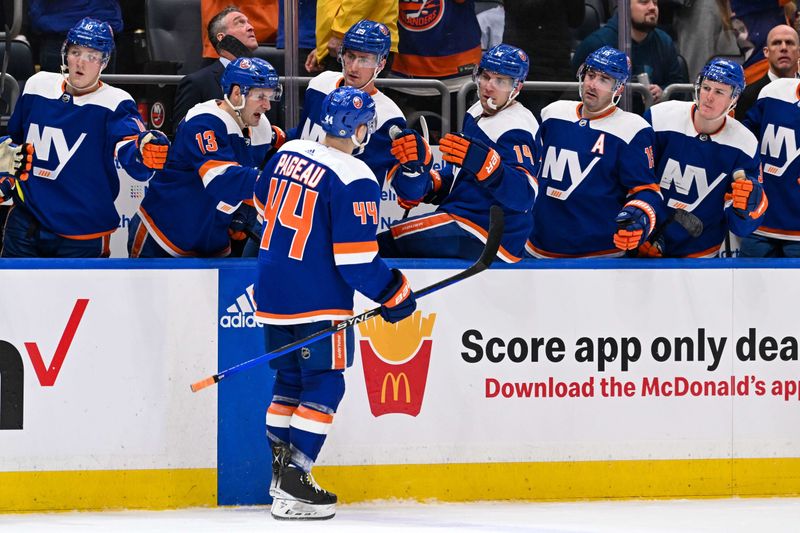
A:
240	314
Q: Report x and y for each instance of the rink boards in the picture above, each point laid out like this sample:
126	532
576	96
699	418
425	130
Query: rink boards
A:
547	381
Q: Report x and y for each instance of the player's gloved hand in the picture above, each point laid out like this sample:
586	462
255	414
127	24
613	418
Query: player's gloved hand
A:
412	152
634	224
15	159
278	137
430	197
749	200
397	299
243	219
472	155
652	250
153	147
7	185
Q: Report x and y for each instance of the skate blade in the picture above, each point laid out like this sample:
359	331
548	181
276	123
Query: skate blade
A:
295	510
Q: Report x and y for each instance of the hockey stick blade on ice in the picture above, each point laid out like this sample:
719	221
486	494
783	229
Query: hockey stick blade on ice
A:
496	227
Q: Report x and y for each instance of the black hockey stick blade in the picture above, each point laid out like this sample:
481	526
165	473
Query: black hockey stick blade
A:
495	234
689	222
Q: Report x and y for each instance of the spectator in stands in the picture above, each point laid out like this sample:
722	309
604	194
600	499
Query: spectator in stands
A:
492	20
50	21
262	15
82	131
652	51
212	169
703	30
782	53
335	17
306	29
754	19
232	36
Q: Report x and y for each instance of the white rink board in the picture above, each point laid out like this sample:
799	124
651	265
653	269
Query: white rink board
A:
121	399
458	423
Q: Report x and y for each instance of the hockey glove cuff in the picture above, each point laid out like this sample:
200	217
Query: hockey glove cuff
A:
397	299
243	219
472	155
153	147
15	159
278	137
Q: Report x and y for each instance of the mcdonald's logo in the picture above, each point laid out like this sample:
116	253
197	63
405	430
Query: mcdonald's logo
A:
389	377
395	359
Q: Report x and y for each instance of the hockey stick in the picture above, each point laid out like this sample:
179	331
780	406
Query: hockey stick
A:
496	227
394	133
688	221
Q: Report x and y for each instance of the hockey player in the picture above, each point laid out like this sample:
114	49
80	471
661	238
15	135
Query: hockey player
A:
80	129
708	165
211	170
599	194
363	54
775	121
320	210
494	161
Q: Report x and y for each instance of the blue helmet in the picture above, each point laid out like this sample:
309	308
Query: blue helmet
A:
345	109
724	71
506	60
91	33
248	73
368	36
609	61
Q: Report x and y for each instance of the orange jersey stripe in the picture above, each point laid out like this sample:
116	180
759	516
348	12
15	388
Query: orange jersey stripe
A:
649	187
89	236
209	165
704	253
281	409
504	254
319	312
435	66
355	247
554	255
311	414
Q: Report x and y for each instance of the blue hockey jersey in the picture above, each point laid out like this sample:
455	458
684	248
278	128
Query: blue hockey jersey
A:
210	171
774	120
590	170
513	132
78	141
320	211
696	172
378	152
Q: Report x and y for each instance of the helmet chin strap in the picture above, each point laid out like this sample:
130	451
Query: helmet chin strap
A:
65	75
614	99
237	110
493	106
378	70
724	113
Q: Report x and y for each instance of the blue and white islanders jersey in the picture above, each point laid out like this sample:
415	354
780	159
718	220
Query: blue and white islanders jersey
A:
775	121
211	169
696	172
320	211
378	152
513	133
590	169
78	141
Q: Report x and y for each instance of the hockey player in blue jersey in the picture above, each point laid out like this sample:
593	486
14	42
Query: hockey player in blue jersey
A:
211	170
494	161
320	211
81	129
775	121
599	196
708	165
365	48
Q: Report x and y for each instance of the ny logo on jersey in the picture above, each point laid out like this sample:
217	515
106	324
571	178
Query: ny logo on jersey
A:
773	140
555	163
43	141
313	131
682	181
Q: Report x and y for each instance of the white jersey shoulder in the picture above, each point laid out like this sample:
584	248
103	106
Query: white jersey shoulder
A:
621	124
562	110
346	167
781	89
385	109
50	85
211	107
325	82
514	117
262	133
675	116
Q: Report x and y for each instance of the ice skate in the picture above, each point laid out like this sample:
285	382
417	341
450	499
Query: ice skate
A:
298	497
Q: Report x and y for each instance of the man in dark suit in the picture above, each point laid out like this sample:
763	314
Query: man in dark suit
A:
232	36
782	53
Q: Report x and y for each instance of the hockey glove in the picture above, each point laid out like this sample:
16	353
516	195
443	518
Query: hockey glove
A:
278	137
749	200
432	196
397	299
15	159
153	148
634	224
412	152
474	156
243	219
652	250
